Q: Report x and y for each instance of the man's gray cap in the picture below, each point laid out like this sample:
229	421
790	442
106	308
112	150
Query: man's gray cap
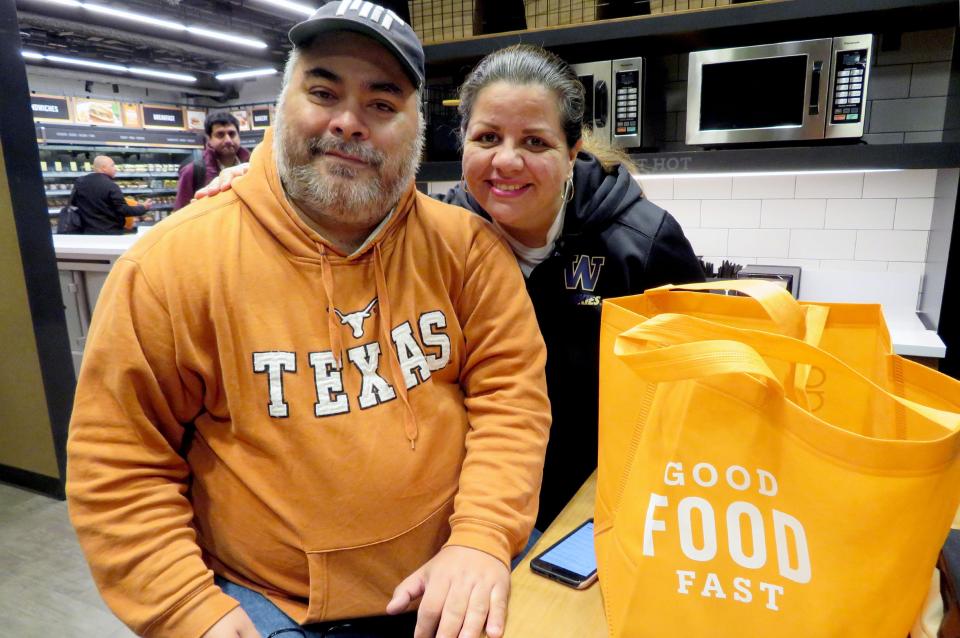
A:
369	19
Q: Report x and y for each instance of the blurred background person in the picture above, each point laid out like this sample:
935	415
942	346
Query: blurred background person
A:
222	150
103	208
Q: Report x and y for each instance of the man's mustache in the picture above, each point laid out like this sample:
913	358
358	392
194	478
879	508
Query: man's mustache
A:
366	153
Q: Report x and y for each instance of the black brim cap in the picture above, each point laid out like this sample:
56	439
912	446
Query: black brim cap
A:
369	19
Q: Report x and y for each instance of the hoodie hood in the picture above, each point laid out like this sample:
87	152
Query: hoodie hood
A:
599	197
262	193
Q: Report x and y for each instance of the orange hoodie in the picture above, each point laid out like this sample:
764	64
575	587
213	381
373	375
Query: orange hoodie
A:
319	485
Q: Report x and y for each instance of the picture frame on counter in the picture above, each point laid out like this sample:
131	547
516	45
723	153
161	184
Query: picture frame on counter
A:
163	116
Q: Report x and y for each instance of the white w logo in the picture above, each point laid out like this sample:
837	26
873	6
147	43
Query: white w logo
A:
370	11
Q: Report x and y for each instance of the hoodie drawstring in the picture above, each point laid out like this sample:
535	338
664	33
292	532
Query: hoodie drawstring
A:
333	325
410	425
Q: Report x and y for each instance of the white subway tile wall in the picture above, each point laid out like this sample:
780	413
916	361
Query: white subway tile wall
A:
860	213
914	214
873	222
831	185
731	213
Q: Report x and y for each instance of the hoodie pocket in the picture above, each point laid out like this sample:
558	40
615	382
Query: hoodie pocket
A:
351	582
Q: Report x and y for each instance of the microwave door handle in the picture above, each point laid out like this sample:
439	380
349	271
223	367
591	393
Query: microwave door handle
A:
815	88
601	105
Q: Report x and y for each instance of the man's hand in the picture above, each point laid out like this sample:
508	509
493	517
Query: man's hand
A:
235	624
460	590
222	181
147	203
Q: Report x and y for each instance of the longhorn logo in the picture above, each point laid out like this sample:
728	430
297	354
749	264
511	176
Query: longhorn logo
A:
355	319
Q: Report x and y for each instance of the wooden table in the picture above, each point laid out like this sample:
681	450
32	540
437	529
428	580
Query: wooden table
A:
542	607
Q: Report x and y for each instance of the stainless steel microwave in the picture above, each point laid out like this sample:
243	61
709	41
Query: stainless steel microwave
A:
614	99
805	90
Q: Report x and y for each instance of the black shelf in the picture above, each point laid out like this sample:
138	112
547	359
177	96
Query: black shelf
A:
730	25
801	158
73	174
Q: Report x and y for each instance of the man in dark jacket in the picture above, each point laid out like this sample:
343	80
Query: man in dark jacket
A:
222	150
103	210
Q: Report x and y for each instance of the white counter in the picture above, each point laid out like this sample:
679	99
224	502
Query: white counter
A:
908	333
96	247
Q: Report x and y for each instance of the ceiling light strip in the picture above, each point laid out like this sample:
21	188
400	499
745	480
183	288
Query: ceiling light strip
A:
293	7
170	25
237	75
667	175
118	68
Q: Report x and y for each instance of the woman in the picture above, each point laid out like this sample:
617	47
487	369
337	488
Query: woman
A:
577	222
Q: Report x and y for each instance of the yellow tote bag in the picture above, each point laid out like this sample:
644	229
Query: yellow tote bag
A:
855	333
724	508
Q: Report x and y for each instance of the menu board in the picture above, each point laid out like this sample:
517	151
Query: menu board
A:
196	119
243	117
131	115
96	112
156	116
50	108
262	117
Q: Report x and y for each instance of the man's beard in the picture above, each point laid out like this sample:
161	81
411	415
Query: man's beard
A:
339	190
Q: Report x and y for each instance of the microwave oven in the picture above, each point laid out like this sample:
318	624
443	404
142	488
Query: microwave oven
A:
613	91
791	91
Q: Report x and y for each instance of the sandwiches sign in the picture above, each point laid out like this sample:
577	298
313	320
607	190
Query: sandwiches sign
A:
48	108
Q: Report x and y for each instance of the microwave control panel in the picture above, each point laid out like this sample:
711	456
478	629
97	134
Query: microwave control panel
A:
628	102
849	93
627	110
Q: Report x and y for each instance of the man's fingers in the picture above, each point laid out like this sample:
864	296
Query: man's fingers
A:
477	610
407	593
431	608
497	616
454	610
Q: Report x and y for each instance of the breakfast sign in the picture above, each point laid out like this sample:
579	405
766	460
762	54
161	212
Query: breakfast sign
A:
157	116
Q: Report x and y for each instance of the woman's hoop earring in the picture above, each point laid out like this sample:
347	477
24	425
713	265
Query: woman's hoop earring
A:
463	185
568	190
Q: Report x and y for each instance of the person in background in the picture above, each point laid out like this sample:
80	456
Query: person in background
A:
221	150
103	209
577	222
317	404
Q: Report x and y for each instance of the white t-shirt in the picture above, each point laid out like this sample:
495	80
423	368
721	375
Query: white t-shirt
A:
530	258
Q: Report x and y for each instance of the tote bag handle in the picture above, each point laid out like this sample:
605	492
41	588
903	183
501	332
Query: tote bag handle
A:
777	303
697	359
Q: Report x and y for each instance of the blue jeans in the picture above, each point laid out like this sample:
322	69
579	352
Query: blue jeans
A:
273	623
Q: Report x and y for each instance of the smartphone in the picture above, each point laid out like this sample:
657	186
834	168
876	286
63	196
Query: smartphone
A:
571	560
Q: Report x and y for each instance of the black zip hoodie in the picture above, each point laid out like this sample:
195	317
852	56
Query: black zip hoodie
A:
614	242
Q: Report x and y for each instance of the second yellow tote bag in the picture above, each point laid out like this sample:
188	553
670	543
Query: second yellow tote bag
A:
724	508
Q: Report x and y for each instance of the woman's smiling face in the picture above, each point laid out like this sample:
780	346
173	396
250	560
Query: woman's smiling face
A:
516	158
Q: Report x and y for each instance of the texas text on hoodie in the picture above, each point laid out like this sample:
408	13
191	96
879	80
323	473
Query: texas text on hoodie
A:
352	414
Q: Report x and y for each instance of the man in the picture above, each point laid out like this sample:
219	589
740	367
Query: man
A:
222	149
103	209
320	389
